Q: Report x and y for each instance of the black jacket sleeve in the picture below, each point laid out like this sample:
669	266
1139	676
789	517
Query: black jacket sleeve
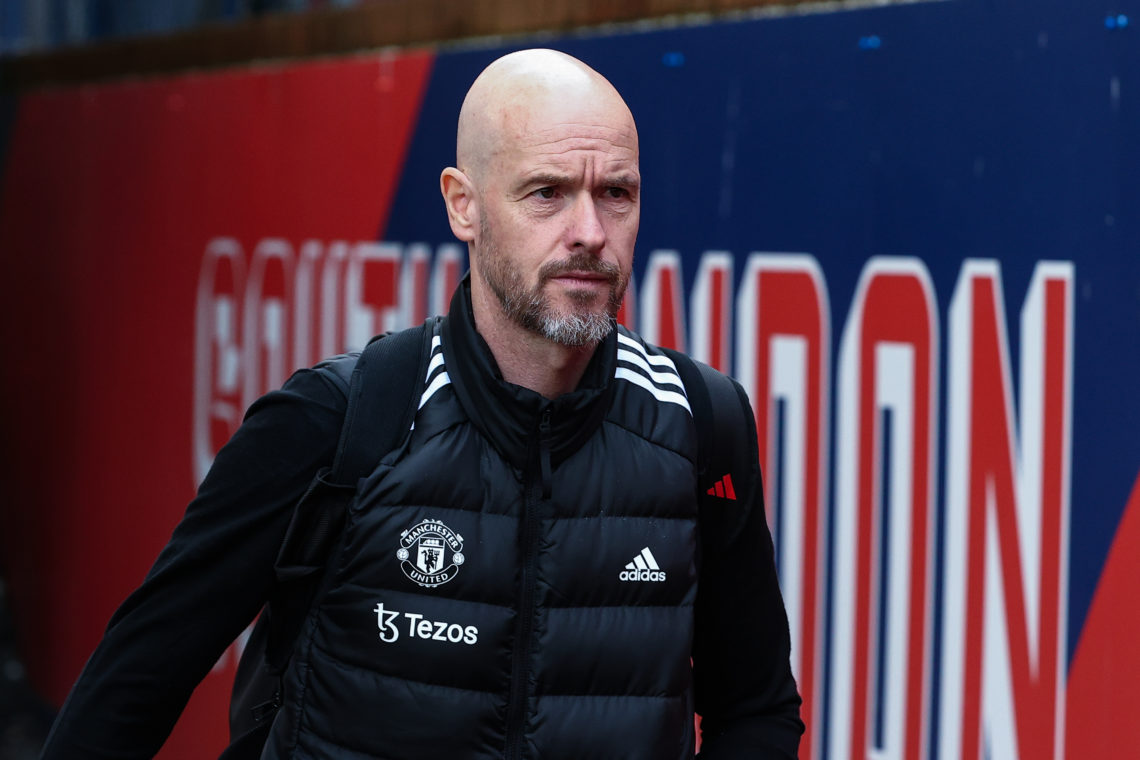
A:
745	692
209	581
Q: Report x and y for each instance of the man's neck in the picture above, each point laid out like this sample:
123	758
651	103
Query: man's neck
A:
524	358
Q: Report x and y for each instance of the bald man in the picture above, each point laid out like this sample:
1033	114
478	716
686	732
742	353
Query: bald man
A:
546	194
534	572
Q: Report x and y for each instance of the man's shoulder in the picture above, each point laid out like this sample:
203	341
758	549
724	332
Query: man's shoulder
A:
630	342
626	335
690	371
651	368
338	369
398	348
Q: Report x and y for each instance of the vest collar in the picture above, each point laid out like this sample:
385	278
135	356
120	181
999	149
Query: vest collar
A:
508	414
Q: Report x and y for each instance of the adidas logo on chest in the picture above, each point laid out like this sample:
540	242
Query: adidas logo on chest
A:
644	567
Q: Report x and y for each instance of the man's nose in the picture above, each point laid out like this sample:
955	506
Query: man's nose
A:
586	229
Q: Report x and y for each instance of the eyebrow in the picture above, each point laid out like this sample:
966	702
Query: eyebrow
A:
544	179
625	180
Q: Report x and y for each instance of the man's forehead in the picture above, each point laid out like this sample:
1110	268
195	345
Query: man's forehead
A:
541	131
570	156
550	137
607	143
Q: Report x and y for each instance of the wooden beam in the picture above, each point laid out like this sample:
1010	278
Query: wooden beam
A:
339	31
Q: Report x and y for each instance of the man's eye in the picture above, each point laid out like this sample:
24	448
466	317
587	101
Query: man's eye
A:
545	192
617	192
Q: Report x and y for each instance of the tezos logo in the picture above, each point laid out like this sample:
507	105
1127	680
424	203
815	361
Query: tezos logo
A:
420	627
430	553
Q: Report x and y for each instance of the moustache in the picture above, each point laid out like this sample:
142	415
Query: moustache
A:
579	262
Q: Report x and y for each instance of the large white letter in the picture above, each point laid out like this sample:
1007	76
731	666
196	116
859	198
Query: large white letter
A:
217	351
710	310
662	316
1007	520
372	290
884	532
265	318
783	344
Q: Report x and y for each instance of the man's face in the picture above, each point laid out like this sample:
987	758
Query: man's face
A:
560	206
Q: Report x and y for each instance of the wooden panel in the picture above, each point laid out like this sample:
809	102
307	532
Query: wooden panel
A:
339	31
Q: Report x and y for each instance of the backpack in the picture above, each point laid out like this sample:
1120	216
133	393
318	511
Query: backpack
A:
383	394
388	376
726	447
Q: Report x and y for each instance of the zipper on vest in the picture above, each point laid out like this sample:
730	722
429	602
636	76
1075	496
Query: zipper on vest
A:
544	452
537	488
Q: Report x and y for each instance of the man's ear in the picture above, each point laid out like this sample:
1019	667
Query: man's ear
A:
459	197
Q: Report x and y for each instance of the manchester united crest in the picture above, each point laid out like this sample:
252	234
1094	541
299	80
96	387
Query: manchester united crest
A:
430	553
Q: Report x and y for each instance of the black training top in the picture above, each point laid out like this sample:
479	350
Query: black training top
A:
216	572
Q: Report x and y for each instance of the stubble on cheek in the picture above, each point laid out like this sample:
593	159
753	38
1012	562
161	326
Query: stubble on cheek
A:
532	308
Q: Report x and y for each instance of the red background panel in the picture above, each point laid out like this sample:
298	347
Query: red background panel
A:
1104	677
110	196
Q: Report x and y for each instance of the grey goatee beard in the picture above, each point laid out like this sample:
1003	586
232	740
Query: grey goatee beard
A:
532	310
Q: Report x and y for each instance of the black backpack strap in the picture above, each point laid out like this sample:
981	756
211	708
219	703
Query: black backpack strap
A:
726	446
382	398
382	402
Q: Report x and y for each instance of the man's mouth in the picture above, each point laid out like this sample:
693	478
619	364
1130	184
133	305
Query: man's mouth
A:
585	270
583	276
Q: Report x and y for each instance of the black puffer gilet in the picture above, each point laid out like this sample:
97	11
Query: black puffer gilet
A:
517	580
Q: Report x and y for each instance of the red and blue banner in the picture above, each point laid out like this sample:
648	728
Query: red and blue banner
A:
911	232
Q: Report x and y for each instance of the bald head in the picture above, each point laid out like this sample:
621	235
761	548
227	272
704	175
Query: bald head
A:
522	91
546	194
